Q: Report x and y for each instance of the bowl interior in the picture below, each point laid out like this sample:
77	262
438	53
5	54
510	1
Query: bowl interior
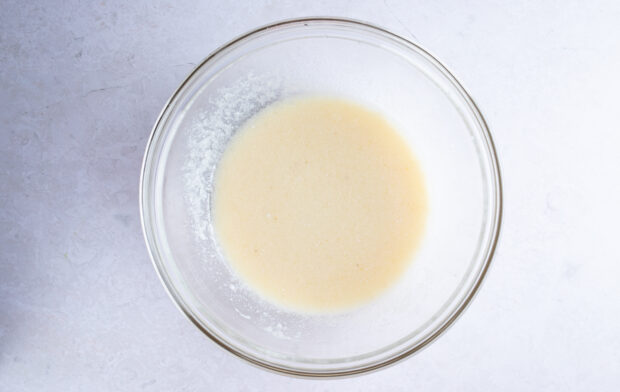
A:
367	65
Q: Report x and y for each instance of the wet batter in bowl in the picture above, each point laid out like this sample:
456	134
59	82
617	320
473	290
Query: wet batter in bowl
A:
319	204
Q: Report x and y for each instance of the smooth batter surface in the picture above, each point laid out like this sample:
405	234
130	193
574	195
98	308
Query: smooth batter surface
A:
318	204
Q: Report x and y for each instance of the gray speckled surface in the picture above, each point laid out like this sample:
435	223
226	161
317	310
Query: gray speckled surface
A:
81	84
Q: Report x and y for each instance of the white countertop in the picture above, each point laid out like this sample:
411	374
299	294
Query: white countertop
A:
81	83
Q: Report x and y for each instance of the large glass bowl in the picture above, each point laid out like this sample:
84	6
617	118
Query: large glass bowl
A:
376	68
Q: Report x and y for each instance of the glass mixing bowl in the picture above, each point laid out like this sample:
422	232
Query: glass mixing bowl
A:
374	67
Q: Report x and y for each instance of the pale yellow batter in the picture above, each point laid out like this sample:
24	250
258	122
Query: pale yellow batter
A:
318	204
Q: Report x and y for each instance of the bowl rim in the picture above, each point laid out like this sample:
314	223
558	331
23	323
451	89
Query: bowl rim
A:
496	214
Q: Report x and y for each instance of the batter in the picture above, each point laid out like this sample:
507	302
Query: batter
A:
319	204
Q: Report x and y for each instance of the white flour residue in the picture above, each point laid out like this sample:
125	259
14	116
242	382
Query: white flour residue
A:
278	330
226	111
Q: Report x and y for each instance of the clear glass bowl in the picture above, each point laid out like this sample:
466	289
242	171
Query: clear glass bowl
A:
426	104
